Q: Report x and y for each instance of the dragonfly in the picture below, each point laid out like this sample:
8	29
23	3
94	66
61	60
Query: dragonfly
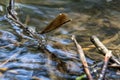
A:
61	19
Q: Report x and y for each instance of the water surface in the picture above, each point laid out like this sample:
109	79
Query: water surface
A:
60	60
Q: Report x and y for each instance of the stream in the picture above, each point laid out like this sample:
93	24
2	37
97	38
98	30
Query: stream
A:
22	59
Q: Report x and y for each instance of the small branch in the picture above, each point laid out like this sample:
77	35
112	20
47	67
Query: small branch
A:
114	66
106	60
106	41
11	10
99	45
11	4
82	57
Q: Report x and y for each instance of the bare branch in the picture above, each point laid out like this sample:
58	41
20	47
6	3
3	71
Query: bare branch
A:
11	10
99	45
106	60
82	57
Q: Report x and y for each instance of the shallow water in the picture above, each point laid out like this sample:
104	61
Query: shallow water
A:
59	60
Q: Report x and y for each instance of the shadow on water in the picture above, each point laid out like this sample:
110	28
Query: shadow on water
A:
24	61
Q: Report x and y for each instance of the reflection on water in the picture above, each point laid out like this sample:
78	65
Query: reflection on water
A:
60	60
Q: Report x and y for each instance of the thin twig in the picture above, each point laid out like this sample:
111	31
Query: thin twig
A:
106	41
10	9
106	60
99	45
83	59
114	66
